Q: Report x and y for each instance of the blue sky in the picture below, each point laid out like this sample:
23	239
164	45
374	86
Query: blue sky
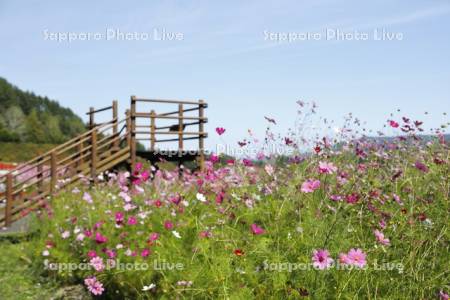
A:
225	59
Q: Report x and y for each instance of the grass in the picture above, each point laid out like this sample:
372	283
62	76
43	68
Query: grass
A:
18	279
9	151
222	258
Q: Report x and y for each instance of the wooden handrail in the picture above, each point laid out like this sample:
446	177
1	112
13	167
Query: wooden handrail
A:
172	132
168	101
99	110
59	147
147	115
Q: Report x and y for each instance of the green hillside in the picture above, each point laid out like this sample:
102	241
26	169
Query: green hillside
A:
28	118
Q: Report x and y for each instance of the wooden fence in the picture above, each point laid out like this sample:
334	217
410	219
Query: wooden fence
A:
182	120
102	147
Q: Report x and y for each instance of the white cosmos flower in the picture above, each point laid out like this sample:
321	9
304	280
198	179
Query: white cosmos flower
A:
148	287
176	234
201	197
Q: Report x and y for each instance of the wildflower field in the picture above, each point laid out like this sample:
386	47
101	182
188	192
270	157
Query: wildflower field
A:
352	218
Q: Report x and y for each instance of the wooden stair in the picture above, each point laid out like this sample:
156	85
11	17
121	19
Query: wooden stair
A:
87	155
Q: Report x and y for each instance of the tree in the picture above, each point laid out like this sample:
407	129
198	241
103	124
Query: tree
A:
35	131
14	120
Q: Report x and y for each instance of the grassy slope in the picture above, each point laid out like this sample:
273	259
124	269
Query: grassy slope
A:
13	152
17	280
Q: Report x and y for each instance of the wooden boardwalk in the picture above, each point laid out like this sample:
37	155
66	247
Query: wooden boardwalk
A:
101	148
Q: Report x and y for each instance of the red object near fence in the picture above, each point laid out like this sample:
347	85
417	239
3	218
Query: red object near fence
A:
6	166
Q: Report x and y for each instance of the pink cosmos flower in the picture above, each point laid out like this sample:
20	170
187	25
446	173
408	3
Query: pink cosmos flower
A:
214	158
397	199
168	225
97	263
247	162
132	221
111	253
421	166
91	254
443	295
336	197
393	124
138	167
94	286
65	234
220	130
310	186
87	198
381	239
205	234
100	239
321	259
80	237
343	259
357	257
382	224
260	156
327	168
146	252
119	217
352	198
256	229
154	236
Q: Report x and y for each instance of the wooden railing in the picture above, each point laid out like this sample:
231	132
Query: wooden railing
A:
87	155
152	131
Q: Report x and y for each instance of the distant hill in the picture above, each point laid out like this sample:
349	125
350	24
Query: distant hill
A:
28	118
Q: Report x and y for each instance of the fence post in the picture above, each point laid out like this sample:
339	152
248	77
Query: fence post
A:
152	130
53	171
128	125
180	128
40	176
133	133
80	154
94	155
9	199
201	144
115	124
91	118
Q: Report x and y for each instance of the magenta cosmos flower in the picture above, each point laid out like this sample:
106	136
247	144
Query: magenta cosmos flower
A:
321	259
393	124
256	229
100	239
220	130
327	168
310	185
168	225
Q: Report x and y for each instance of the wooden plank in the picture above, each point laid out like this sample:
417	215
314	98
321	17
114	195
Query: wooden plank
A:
146	115
94	111
167	101
174	133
